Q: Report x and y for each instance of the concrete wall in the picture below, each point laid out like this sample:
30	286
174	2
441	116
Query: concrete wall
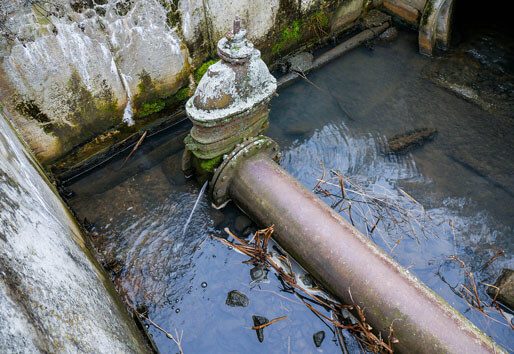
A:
70	70
53	296
409	11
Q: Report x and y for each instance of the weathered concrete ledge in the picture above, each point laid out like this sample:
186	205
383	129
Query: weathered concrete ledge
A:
79	75
54	297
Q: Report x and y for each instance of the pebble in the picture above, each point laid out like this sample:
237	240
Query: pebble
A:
259	321
318	338
241	223
258	274
237	299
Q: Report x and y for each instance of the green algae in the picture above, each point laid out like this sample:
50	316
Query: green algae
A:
210	164
200	72
288	37
152	107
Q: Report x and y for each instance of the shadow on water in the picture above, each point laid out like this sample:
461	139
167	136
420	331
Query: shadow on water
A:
463	180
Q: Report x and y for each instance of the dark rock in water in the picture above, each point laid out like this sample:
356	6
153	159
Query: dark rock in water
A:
259	321
241	223
505	284
258	273
405	142
318	338
217	217
388	35
237	299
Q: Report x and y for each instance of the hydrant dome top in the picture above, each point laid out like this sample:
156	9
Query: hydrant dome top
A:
235	84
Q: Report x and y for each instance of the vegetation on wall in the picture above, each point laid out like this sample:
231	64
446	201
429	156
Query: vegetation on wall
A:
202	69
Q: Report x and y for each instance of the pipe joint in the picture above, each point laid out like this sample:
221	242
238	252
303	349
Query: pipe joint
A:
223	175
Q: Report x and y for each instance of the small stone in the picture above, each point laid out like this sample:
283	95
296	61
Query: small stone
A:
318	338
237	299
258	274
505	285
241	223
259	321
217	217
389	35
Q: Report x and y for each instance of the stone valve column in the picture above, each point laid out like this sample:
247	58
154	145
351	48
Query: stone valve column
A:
229	105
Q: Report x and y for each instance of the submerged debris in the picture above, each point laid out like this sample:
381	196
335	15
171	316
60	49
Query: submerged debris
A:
259	274
389	35
241	223
470	289
237	299
503	290
257	250
318	338
402	143
258	322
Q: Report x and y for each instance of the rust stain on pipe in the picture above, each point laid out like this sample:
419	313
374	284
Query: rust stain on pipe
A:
351	266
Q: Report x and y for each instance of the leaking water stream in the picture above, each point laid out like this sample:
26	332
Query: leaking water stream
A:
138	214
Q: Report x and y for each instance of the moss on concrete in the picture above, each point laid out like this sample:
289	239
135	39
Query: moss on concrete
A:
150	99
209	165
202	69
148	108
288	37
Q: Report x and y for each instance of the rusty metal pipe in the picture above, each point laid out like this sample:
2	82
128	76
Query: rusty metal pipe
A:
351	266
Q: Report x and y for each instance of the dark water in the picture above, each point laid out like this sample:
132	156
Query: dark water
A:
458	189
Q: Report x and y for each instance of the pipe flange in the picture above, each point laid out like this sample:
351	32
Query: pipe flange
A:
223	175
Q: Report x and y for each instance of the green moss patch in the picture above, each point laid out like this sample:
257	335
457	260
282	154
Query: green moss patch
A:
200	72
148	108
289	37
149	100
209	165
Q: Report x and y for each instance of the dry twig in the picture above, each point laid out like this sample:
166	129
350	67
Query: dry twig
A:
255	328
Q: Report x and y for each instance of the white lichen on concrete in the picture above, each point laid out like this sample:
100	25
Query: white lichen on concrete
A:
235	84
259	16
53	298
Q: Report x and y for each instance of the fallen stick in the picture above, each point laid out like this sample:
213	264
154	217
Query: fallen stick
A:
138	144
256	328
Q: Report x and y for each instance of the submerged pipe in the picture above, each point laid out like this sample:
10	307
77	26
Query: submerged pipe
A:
347	263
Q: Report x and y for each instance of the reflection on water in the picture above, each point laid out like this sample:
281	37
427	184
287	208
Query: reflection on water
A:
462	180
